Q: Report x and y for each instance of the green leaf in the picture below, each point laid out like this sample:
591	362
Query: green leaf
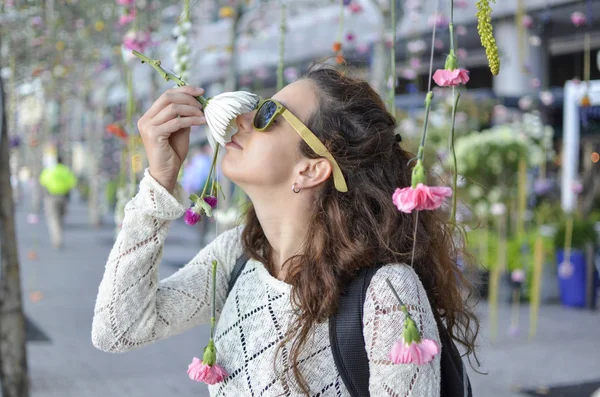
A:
194	198
206	208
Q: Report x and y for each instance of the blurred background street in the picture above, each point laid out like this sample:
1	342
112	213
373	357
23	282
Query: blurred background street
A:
63	362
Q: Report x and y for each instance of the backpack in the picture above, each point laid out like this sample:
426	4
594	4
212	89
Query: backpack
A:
347	341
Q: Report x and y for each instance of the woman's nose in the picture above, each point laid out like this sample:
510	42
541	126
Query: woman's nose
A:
244	121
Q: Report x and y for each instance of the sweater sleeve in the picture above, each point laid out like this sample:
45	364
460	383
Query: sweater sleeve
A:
383	323
133	308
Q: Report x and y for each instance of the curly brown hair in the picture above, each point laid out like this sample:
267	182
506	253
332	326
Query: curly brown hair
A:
362	227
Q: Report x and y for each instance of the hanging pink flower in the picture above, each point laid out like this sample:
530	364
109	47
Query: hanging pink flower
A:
576	187
125	2
438	20
412	348
191	217
461	30
578	18
422	197
415	353
211	200
209	374
355	8
527	21
450	78
138	41
127	18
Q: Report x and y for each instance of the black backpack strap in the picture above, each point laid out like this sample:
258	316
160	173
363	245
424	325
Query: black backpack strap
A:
455	380
346	334
240	264
350	355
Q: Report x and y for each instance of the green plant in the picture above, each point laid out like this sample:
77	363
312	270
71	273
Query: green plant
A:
583	233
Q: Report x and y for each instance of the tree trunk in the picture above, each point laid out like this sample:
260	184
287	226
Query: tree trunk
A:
13	359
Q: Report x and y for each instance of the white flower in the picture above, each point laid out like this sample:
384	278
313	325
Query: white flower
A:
176	30
498	209
221	112
186	26
182	40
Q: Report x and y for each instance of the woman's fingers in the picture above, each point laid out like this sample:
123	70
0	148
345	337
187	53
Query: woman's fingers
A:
175	110
183	95
178	123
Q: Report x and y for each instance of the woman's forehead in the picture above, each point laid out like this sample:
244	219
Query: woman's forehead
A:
299	98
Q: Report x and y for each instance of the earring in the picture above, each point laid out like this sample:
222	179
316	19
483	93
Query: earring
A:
294	188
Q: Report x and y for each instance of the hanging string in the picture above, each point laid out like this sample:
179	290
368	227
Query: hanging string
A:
426	122
392	91
282	34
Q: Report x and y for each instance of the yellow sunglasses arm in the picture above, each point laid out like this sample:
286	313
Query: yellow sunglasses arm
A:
316	145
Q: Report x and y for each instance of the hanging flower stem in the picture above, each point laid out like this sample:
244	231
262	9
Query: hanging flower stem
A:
167	75
454	162
392	88
213	309
211	173
130	142
282	33
402	305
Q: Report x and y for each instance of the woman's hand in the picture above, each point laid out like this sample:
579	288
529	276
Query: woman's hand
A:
165	131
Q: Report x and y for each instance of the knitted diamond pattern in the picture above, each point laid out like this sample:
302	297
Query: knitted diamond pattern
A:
134	308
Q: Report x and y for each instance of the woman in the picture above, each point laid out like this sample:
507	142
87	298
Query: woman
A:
306	237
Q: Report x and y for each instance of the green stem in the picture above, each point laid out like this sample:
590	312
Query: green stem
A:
387	280
341	24
455	164
214	299
451	26
392	92
282	31
166	74
129	122
186	10
428	99
211	172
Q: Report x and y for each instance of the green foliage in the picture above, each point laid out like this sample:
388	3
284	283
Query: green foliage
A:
519	249
583	233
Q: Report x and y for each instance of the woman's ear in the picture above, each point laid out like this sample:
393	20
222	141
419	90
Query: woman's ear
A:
313	172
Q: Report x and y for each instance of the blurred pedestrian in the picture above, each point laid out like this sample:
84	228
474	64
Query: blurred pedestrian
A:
57	180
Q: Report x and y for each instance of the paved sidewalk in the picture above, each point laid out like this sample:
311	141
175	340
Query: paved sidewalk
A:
566	350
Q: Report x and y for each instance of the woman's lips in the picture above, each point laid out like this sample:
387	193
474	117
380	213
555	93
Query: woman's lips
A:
234	144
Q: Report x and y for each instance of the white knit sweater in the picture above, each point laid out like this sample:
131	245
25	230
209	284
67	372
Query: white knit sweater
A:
134	309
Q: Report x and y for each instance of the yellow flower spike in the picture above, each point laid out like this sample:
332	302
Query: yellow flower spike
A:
99	26
60	45
226	12
486	34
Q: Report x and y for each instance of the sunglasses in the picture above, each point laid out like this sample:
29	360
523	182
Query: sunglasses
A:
269	109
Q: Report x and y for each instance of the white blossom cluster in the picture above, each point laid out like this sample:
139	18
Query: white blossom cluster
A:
181	53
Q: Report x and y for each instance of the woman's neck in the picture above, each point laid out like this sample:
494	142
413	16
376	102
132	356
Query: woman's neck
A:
285	225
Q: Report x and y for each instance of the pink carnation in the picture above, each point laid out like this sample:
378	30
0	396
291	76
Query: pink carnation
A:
423	197
126	18
578	18
209	374
417	353
450	78
191	217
